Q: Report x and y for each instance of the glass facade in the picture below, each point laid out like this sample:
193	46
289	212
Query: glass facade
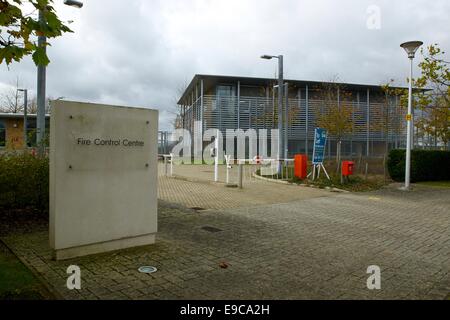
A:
244	104
225	95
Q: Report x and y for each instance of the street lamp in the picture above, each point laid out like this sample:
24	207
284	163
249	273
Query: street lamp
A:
41	82
411	49
25	116
73	3
280	103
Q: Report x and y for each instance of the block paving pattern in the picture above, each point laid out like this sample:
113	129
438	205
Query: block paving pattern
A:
314	248
193	186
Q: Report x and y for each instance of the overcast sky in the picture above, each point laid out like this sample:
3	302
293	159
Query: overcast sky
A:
140	52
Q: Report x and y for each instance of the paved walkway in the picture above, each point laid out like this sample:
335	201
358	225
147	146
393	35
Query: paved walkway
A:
193	187
312	248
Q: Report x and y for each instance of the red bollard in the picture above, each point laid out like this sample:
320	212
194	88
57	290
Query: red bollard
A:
301	166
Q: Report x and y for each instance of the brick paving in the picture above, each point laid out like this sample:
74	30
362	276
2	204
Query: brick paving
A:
193	186
308	248
215	196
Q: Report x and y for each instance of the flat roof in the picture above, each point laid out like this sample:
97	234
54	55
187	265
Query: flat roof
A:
18	116
211	80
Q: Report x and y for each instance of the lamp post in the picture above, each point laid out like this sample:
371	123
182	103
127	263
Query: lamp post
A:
25	116
41	81
286	121
410	48
280	103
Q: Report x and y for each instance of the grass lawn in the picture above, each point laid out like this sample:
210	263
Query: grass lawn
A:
441	184
16	281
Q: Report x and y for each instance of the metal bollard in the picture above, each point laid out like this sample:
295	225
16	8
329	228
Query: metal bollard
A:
367	171
165	166
240	173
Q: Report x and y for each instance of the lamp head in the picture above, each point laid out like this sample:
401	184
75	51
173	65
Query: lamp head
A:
411	47
74	3
267	57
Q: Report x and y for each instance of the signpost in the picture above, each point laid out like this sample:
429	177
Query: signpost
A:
320	141
103	178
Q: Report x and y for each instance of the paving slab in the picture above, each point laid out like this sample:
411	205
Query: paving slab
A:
193	186
312	248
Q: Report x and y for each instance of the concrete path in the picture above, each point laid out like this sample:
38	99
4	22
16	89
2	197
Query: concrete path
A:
193	186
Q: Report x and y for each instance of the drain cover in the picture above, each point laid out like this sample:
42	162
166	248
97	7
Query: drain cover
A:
147	269
211	229
198	209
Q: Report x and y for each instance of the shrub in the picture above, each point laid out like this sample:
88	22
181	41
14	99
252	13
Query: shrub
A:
24	181
425	165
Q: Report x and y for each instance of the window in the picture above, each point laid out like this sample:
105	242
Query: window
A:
225	99
225	91
2	134
31	132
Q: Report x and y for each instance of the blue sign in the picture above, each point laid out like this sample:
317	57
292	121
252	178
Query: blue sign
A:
320	141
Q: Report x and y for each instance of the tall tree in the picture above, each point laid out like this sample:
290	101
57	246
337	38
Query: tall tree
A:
391	120
336	114
178	120
432	96
435	103
11	100
19	30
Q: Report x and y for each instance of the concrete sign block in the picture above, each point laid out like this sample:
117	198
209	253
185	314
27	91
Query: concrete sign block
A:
103	178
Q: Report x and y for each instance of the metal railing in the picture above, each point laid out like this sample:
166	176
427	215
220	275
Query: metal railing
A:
233	172
166	168
373	121
251	170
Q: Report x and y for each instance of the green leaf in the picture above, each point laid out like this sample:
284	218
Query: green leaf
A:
11	53
40	57
20	27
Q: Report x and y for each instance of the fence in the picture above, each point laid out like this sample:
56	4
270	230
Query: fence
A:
165	165
374	123
242	172
250	170
232	172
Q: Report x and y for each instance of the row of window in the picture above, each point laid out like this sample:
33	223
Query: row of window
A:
2	134
31	132
229	90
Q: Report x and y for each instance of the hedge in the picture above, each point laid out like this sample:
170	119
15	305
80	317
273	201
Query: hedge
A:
24	182
425	165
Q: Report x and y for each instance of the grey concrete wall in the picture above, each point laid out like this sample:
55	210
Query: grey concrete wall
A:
103	177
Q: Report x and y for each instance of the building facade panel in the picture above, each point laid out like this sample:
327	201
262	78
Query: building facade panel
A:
12	135
244	103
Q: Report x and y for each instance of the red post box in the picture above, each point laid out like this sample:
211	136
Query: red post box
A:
347	168
301	166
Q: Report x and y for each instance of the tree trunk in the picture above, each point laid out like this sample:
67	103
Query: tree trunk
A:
386	152
338	156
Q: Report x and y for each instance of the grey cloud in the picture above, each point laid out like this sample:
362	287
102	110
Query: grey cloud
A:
140	52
